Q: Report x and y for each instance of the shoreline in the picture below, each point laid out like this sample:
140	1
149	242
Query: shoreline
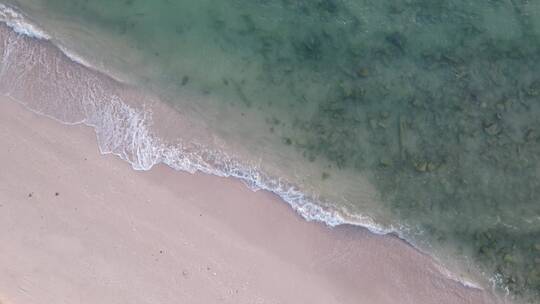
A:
316	211
109	218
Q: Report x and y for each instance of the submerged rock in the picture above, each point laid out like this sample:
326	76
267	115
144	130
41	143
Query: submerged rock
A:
509	259
397	39
309	48
329	6
431	166
530	135
492	129
421	166
385	162
362	72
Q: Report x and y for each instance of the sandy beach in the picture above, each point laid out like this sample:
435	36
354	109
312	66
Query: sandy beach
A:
80	227
269	152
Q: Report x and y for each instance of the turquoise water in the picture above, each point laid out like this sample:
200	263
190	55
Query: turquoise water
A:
435	103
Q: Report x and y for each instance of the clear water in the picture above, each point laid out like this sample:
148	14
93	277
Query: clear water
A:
436	104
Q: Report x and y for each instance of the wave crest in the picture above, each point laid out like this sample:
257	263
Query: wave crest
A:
19	23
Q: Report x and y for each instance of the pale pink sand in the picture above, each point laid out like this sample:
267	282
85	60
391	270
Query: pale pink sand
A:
115	235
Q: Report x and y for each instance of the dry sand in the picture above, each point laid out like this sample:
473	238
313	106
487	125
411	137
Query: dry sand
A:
80	227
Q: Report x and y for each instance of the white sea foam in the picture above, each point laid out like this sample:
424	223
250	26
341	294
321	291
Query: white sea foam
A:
74	57
123	131
20	23
464	281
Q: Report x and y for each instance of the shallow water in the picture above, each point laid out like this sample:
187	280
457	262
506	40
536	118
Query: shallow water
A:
434	104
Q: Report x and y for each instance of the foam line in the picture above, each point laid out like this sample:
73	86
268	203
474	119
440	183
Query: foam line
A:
20	24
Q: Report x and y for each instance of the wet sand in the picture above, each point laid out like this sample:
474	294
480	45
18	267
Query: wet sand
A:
80	227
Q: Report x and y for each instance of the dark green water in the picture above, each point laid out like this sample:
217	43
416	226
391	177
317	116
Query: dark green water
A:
436	103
